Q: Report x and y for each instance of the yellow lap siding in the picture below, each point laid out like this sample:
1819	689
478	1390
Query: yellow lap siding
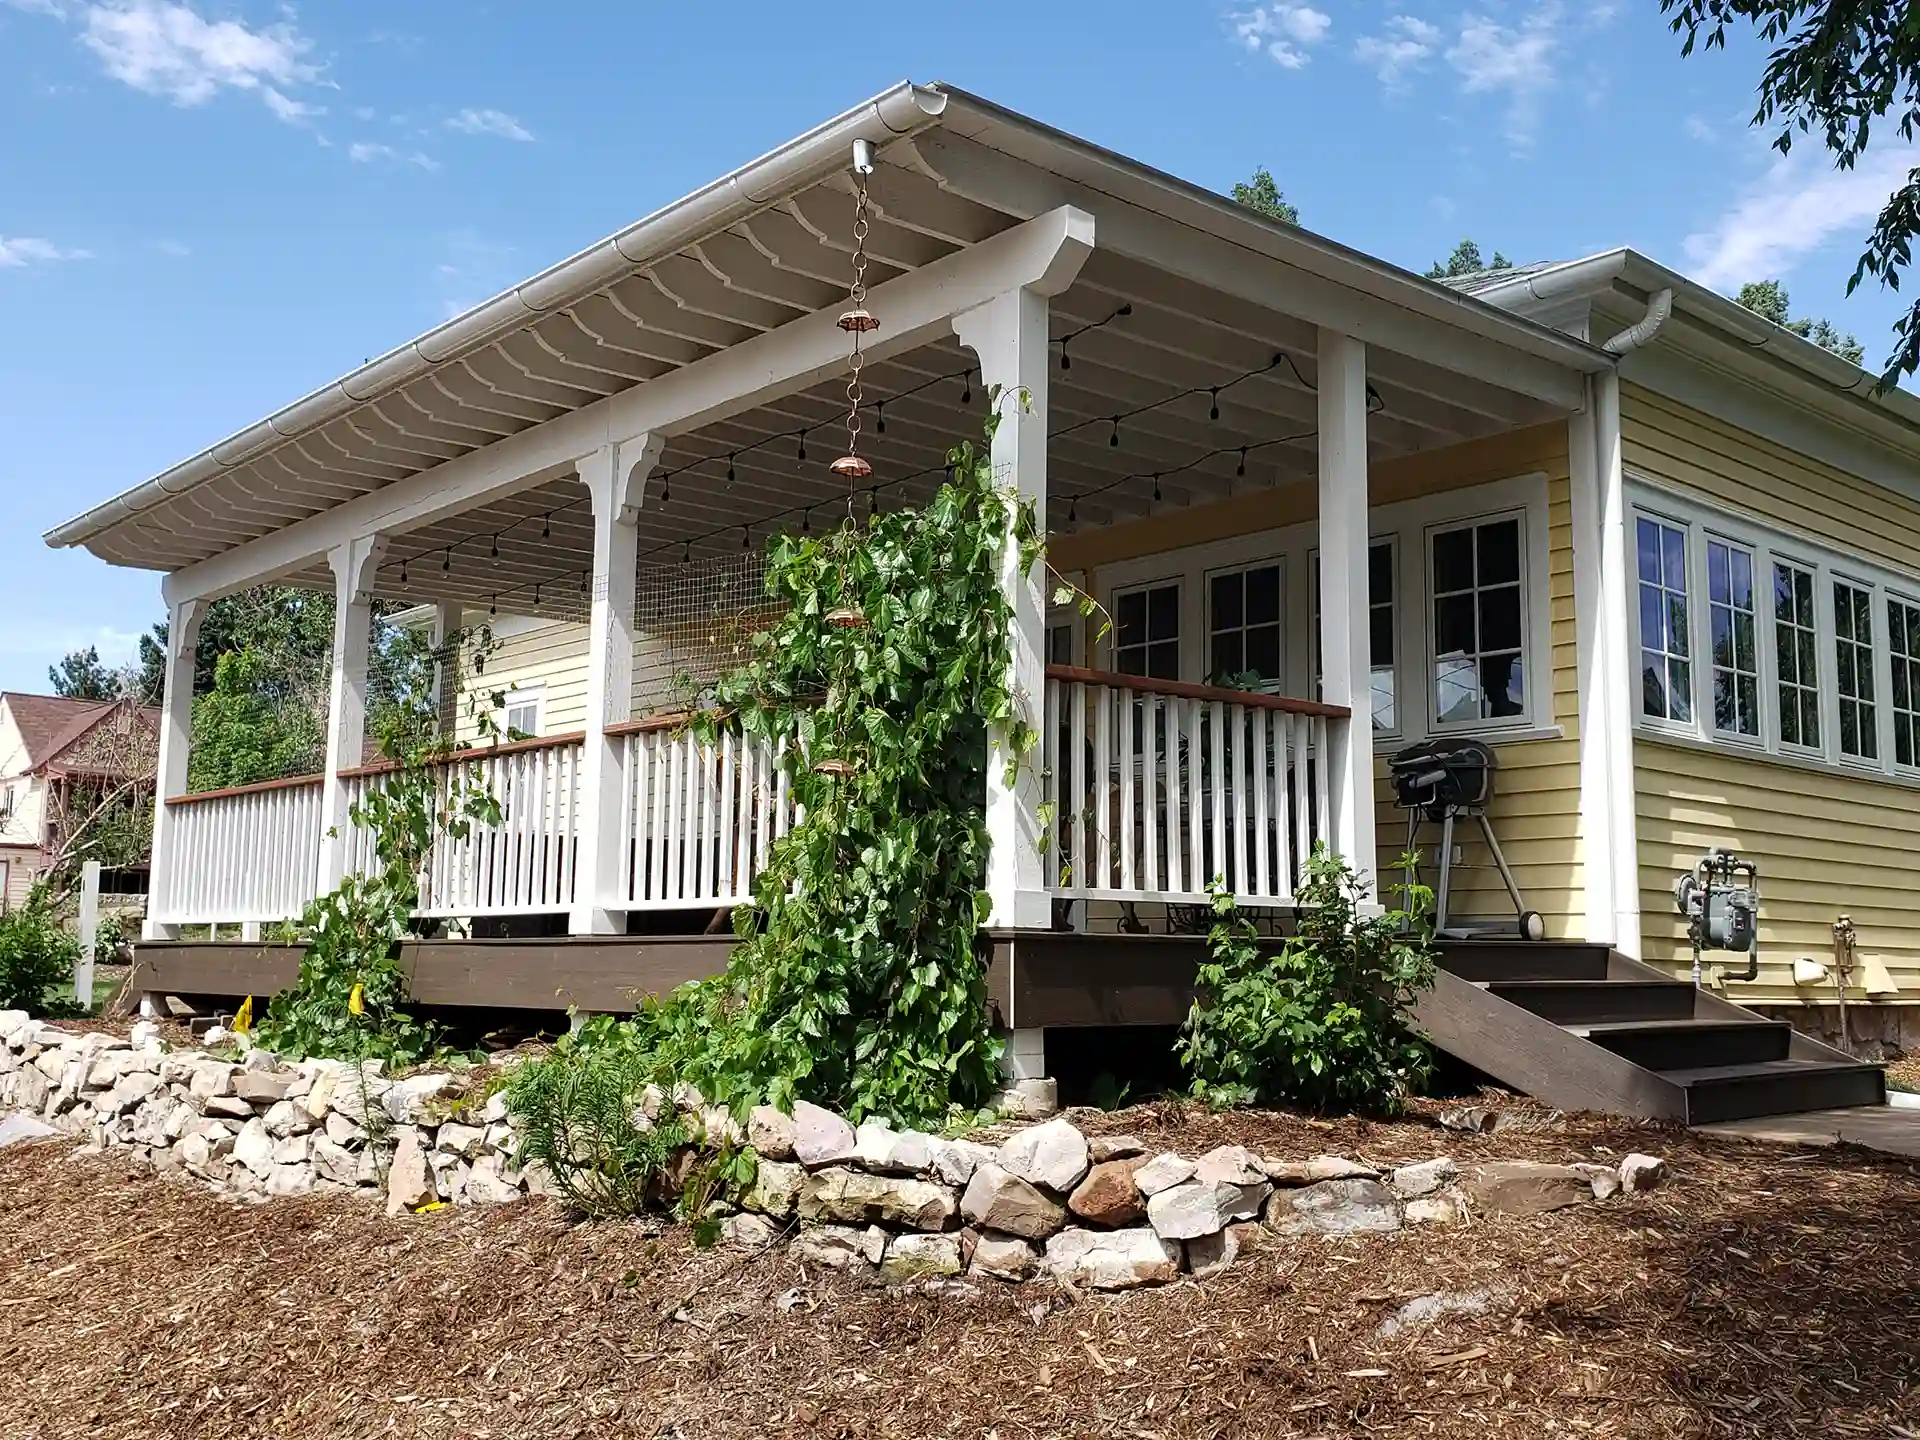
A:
553	657
1826	844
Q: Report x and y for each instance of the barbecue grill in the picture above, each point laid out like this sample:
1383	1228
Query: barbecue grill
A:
1441	781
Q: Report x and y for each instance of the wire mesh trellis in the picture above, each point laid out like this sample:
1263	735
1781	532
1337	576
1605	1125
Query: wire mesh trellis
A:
695	620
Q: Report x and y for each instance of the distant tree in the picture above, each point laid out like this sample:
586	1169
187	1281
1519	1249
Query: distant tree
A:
1843	72
1466	260
1262	194
81	676
1768	299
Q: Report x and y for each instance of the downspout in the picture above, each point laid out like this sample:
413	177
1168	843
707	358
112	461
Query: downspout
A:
1617	692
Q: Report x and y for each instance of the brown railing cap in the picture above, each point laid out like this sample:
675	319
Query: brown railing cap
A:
1185	690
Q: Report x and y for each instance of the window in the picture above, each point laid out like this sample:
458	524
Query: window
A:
1479	604
1381	642
1060	643
1243	624
1146	631
1666	669
1795	638
1903	640
520	716
1730	629
1853	662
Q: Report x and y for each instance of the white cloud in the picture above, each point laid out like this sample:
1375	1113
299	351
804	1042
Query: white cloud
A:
364	152
489	122
1285	32
1517	60
172	249
19	251
1698	127
1796	207
472	268
1406	45
166	48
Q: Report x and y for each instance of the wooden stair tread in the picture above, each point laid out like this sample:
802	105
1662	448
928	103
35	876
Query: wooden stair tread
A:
1755	1069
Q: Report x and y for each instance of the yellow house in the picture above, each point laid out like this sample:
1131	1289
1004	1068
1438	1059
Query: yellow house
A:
1655	555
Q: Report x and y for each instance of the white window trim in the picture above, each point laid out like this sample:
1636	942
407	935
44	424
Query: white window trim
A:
518	698
1184	638
1406	524
1393	541
1278	686
1768	543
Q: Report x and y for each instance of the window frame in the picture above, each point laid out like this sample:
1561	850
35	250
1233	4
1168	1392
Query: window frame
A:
518	698
1769	545
1694	577
1909	598
1278	563
1183	637
1530	662
1704	699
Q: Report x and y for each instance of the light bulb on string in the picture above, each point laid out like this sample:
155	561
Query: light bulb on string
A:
446	561
1156	487
746	536
493	549
666	489
583	583
403	572
1073	509
730	460
873	503
546	526
806	522
493	605
686	552
1214	412
1241	468
966	389
880	418
1066	360
803	446
536	594
1113	440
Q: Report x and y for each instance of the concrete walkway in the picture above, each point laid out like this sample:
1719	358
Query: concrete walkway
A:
1877	1127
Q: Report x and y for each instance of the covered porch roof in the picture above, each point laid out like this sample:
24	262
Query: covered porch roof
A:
1185	354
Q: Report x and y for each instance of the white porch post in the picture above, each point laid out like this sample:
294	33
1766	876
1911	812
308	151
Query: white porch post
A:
616	478
1346	661
176	744
1591	630
446	629
353	564
1616	697
1009	334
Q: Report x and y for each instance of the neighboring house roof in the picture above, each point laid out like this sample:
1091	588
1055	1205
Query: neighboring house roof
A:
50	725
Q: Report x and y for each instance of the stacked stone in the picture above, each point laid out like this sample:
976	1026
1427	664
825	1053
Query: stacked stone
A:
896	1205
257	1126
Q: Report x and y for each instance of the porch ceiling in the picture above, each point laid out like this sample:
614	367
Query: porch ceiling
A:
775	248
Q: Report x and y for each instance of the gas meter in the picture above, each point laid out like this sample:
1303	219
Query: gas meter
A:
1720	897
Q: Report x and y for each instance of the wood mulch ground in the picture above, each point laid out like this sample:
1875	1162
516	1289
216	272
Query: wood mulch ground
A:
1762	1293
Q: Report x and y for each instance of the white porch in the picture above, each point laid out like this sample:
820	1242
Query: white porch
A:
676	393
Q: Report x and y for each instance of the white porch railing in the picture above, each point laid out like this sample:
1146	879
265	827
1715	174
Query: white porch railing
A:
242	856
1159	786
527	864
698	818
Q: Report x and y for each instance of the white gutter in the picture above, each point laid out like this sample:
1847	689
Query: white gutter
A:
903	110
1646	327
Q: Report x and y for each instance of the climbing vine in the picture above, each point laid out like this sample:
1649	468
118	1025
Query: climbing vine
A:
857	982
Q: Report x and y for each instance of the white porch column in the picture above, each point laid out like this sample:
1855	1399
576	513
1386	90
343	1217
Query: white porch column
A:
1616	699
176	744
353	565
1346	661
1009	334
1591	630
616	478
446	679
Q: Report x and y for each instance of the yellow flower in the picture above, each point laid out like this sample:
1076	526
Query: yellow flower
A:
357	1001
243	1018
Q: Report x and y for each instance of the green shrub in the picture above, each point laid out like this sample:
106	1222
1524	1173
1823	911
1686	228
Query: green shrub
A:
36	954
577	1109
1323	1023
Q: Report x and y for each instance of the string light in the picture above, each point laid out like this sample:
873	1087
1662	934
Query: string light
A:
493	550
802	453
1214	413
686	553
666	489
446	561
1066	360
536	594
403	572
1241	468
493	606
546	526
806	523
1113	440
730	460
966	390
1156	487
1073	511
873	502
746	535
880	417
583	584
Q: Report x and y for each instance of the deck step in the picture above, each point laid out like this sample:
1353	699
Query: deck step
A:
1595	1002
1776	1087
1486	960
1691	1044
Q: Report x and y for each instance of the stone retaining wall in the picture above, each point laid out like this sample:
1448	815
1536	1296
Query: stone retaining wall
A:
1098	1212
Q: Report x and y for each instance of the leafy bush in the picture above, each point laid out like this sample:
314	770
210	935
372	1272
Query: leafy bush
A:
36	954
577	1109
1323	1023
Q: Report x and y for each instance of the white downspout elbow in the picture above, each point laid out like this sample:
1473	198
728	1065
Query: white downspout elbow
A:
1644	329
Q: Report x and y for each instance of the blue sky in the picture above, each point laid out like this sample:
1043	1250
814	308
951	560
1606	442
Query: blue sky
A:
208	208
